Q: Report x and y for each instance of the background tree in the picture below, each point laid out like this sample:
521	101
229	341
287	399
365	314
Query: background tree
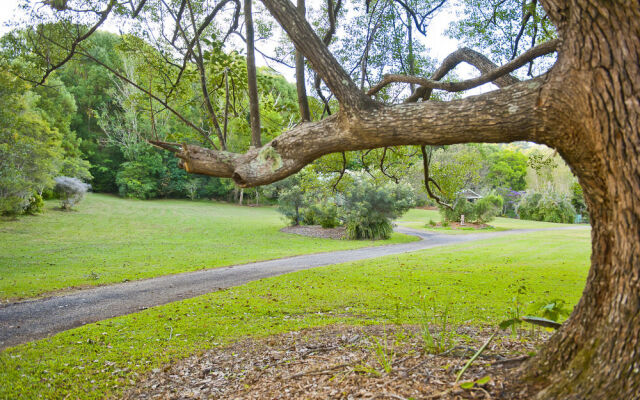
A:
507	170
31	152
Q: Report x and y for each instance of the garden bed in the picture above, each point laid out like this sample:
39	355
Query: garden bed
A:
457	225
316	231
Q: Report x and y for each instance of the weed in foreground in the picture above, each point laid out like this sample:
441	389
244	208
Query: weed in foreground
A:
436	326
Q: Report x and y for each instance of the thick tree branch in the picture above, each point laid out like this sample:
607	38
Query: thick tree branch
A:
492	75
322	61
505	115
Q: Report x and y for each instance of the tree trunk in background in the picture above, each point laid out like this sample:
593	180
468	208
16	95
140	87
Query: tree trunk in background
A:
254	105
594	91
303	103
410	57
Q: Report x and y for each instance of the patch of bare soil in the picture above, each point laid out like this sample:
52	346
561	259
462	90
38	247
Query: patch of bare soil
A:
432	208
339	362
316	231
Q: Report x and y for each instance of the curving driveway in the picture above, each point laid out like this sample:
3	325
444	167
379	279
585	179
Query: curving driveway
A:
35	319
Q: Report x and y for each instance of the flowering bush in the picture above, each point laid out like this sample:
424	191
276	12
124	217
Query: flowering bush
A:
70	190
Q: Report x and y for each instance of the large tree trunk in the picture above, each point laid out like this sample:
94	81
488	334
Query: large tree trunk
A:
594	95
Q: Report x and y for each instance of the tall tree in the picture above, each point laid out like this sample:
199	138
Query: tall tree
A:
254	105
303	103
586	107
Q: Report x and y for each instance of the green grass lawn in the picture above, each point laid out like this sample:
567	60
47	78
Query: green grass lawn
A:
419	219
108	239
478	281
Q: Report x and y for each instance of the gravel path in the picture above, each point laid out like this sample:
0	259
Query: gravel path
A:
35	319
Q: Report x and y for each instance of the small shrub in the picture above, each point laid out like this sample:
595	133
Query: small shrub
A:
11	206
481	211
35	206
487	208
191	187
553	309
291	204
369	229
368	208
326	214
70	190
460	207
528	206
308	215
556	209
432	223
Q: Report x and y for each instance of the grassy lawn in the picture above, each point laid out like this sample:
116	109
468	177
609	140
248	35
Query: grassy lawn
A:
419	219
478	281
109	240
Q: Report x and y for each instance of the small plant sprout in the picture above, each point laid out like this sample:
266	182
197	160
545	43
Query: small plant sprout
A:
478	382
384	353
438	333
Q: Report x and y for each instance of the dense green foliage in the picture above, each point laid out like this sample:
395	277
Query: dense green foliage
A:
479	211
507	170
548	207
94	125
364	206
35	143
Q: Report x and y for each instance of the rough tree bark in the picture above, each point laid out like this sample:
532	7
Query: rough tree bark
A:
587	107
591	99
